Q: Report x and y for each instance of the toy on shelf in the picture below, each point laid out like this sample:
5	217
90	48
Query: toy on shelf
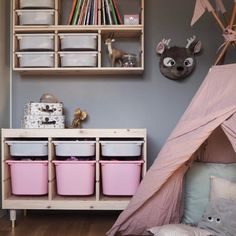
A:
79	116
115	55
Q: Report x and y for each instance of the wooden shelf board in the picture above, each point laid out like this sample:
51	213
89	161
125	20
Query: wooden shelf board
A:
81	70
119	30
65	133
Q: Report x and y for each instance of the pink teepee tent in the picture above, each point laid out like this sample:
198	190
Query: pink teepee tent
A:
158	198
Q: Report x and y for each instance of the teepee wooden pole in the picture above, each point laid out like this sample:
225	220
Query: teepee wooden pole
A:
233	16
222	53
218	20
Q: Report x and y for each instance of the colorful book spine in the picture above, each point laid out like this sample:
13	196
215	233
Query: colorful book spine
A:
82	13
95	12
103	13
91	12
72	11
113	12
86	12
76	13
108	11
117	12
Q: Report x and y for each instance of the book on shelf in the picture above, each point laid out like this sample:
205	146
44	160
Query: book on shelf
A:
89	20
95	12
104	21
117	12
113	13
86	13
108	12
72	11
76	12
82	13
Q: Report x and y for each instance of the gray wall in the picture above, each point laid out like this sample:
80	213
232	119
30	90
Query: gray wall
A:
141	101
4	68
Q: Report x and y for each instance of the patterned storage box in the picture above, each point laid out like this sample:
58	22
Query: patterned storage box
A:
42	109
35	121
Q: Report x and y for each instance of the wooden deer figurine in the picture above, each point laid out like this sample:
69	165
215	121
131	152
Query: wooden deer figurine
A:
115	55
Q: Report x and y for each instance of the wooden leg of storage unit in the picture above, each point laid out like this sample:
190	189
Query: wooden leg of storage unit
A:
25	212
13	218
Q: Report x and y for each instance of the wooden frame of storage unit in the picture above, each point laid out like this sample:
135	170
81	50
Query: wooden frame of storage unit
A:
120	31
53	201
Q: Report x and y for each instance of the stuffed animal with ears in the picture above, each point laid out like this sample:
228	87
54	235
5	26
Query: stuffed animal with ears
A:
79	116
177	62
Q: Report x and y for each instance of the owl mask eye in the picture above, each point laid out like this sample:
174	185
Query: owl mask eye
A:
217	220
168	61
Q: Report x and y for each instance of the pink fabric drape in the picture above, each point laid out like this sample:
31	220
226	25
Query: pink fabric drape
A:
199	10
157	200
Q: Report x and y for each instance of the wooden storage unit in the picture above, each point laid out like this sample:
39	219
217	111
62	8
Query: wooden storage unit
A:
52	200
129	38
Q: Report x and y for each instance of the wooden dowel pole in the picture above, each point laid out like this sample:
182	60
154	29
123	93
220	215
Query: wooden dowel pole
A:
219	22
232	16
222	53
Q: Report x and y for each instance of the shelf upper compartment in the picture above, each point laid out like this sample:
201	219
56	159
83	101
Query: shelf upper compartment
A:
129	38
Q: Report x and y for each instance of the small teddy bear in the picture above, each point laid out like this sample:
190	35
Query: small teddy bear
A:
79	115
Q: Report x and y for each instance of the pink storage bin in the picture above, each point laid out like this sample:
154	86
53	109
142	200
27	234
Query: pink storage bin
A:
29	177
75	177
120	178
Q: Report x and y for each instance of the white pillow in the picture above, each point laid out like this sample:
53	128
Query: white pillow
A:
222	188
178	230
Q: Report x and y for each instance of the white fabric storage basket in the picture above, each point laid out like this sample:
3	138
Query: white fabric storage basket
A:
121	148
75	148
40	108
35	41
36	17
78	59
28	148
37	4
31	122
35	59
80	41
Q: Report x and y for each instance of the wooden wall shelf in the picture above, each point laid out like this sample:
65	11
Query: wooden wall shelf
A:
132	34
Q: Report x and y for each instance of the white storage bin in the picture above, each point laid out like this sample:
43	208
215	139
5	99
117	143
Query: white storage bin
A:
121	148
42	109
37	4
35	41
36	17
35	59
75	148
80	41
28	148
78	59
32	122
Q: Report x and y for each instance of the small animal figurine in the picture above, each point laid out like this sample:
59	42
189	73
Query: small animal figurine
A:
78	117
177	62
115	55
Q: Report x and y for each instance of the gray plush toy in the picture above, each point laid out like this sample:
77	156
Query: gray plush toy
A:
220	218
177	62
